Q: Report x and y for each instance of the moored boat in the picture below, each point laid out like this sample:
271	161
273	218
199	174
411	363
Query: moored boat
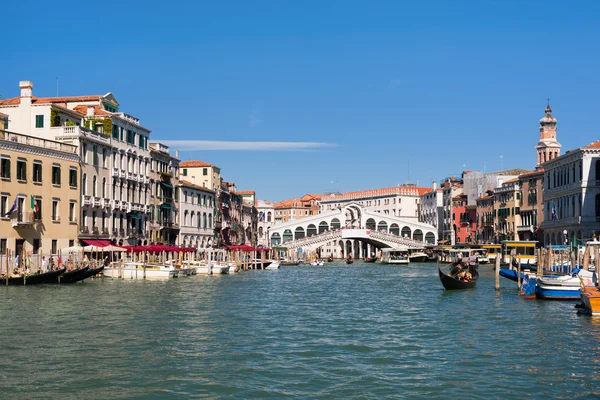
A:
566	287
370	259
220	268
93	272
132	270
395	256
70	276
349	261
34	279
273	265
590	297
417	257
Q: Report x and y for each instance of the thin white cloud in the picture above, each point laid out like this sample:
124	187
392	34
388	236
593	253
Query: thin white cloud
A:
245	146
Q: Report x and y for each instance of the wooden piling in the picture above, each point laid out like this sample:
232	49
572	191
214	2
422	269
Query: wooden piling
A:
7	273
497	272
519	280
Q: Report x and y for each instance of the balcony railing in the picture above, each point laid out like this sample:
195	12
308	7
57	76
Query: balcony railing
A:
24	218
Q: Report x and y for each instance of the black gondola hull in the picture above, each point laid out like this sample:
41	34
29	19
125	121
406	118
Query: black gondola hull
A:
71	276
451	283
92	272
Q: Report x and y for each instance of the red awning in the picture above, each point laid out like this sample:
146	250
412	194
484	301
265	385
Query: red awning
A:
97	242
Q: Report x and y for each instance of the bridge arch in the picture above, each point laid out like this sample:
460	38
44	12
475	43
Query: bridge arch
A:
382	226
430	238
418	235
275	239
299	234
335	224
395	229
323	226
406	232
311	230
370	224
287	236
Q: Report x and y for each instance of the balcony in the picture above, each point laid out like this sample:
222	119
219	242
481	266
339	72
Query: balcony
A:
25	218
95	230
116	172
96	202
86	200
115	232
105	231
74	132
124	205
85	229
525	228
106	203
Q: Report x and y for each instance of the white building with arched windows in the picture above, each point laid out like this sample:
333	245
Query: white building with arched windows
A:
196	210
572	196
266	220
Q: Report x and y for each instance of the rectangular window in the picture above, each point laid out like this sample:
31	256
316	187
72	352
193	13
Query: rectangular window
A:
21	170
3	205
37	172
185	172
72	212
71	242
36	245
205	171
56	174
73	177
55	211
115	132
37	213
3	243
5	167
104	158
6	124
39	121
54	249
95	149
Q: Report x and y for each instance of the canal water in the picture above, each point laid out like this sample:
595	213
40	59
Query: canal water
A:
363	331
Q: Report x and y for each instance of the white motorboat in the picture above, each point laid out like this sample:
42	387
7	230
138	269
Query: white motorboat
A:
418	256
273	265
220	268
395	256
317	263
131	270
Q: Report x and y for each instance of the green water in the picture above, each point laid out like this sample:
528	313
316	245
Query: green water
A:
363	331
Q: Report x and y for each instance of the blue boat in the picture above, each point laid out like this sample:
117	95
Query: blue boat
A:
511	274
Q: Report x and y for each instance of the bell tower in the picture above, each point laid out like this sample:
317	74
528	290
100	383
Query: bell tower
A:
548	147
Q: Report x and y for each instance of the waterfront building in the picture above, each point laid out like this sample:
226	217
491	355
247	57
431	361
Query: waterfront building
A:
464	220
477	183
451	188
572	196
485	217
39	193
114	156
401	201
249	217
532	205
297	208
203	173
432	208
507	203
163	204
196	207
266	219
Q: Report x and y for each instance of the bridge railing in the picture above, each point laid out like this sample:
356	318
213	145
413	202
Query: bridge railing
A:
373	233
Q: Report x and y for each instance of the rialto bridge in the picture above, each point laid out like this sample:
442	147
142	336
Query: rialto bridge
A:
353	230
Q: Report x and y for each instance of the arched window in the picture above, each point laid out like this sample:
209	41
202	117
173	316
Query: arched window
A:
84	184
204	216
210	221
269	216
104	187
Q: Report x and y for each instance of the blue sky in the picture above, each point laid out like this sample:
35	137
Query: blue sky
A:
399	90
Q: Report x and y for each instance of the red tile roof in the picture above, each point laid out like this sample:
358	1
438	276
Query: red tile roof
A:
247	192
194	163
534	172
512	180
595	145
190	184
97	110
50	100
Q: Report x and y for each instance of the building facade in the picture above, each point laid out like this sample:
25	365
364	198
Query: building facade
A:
196	207
532	205
464	220
572	196
432	208
266	219
507	203
485	218
39	194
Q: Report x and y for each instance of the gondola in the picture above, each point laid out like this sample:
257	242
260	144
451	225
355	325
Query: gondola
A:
330	259
451	283
349	261
34	279
92	272
70	276
370	259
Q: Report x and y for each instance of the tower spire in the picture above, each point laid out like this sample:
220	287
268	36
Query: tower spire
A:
548	147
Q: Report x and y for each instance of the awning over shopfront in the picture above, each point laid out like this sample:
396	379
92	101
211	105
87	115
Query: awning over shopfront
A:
166	206
97	242
166	184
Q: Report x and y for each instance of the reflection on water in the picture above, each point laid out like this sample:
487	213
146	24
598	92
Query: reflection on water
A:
337	331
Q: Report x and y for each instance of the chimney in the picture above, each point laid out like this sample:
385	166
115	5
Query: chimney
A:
91	111
193	180
434	185
177	154
26	91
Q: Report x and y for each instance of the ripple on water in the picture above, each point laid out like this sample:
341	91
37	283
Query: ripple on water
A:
360	331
